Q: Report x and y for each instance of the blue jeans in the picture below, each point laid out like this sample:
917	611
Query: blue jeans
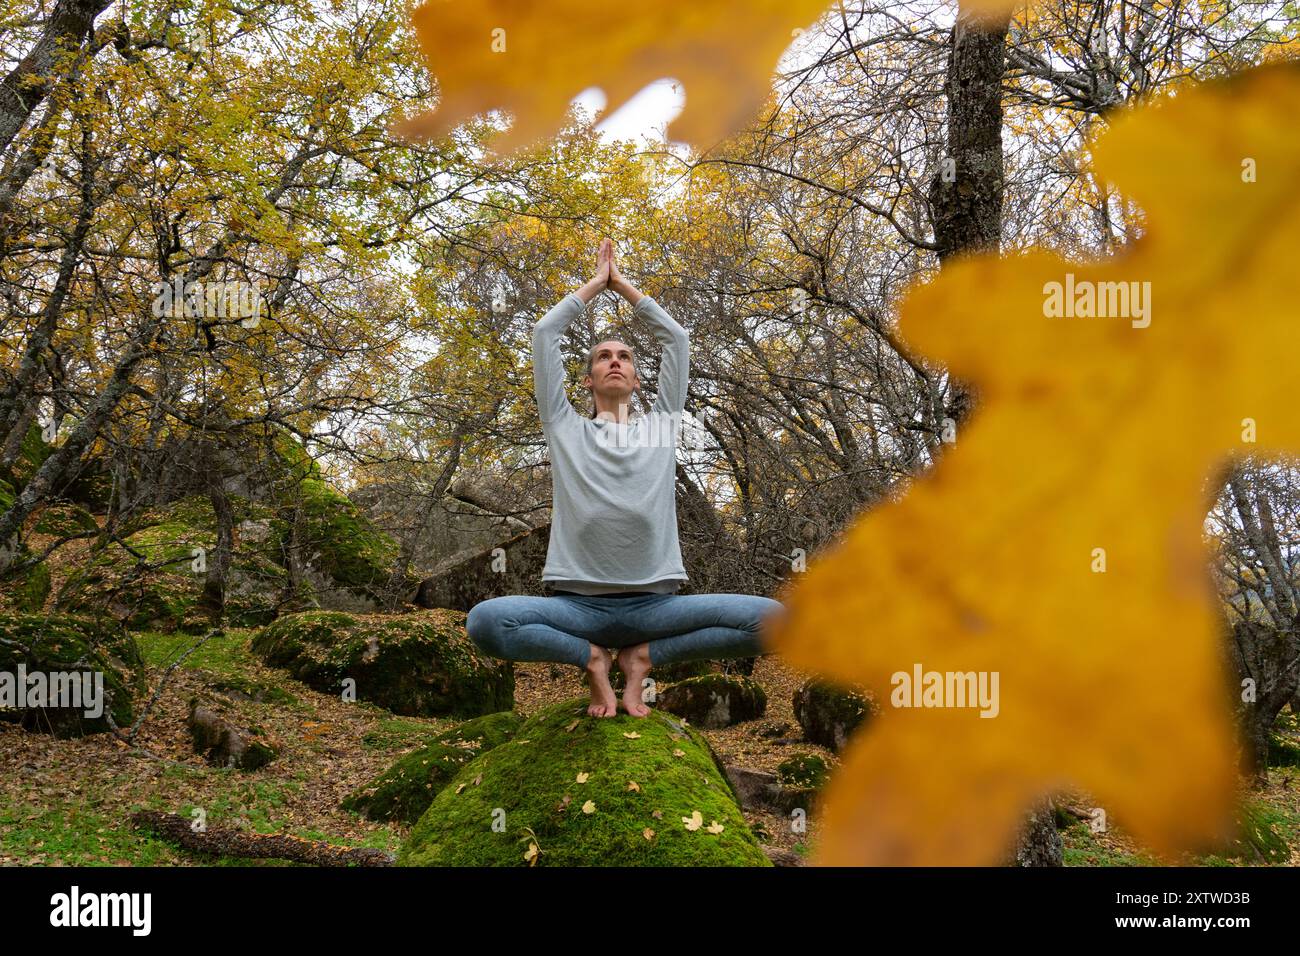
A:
678	627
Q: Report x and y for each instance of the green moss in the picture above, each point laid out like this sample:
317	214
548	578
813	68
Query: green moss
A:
1258	839
398	733
65	643
166	595
31	455
804	771
23	587
528	787
258	692
341	540
405	790
829	714
1081	848
715	700
64	519
420	664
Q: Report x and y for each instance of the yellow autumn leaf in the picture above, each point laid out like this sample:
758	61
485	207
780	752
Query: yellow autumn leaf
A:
633	785
694	821
1058	544
582	777
531	854
632	735
677	752
532	59
648	833
589	807
714	827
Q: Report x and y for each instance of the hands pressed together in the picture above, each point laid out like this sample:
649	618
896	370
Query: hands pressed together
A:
608	277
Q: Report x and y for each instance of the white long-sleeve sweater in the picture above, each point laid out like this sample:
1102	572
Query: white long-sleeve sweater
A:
614	510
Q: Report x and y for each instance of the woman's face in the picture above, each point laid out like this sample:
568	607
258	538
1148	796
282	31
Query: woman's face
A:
612	373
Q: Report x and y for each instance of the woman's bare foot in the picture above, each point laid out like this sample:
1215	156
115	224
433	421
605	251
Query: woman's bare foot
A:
634	662
604	702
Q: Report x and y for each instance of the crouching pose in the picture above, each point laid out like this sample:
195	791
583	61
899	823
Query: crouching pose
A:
614	561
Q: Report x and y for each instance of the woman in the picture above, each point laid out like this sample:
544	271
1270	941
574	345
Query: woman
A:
614	561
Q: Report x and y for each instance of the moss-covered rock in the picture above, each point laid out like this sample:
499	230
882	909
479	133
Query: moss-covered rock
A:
643	776
420	664
165	595
64	519
24	587
714	700
803	770
31	455
1258	840
338	539
829	714
61	643
405	790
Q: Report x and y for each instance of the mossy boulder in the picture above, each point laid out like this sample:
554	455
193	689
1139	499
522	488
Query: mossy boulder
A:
31	455
665	674
829	714
165	595
64	519
1258	840
642	777
800	781
808	771
714	700
24	587
420	664
337	539
405	790
68	644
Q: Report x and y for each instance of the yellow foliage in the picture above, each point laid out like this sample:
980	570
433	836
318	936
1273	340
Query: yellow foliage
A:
1059	542
533	59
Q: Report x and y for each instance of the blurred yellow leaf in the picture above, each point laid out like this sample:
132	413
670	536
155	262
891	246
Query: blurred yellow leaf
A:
532	59
589	807
1059	542
694	821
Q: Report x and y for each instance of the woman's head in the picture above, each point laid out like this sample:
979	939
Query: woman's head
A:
611	374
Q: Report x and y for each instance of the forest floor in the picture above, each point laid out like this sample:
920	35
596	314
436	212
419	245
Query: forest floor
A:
67	802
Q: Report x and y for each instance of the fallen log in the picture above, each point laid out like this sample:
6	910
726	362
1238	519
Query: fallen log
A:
226	841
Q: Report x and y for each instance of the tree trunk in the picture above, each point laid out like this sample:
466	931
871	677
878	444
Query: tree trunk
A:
28	83
966	211
966	191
